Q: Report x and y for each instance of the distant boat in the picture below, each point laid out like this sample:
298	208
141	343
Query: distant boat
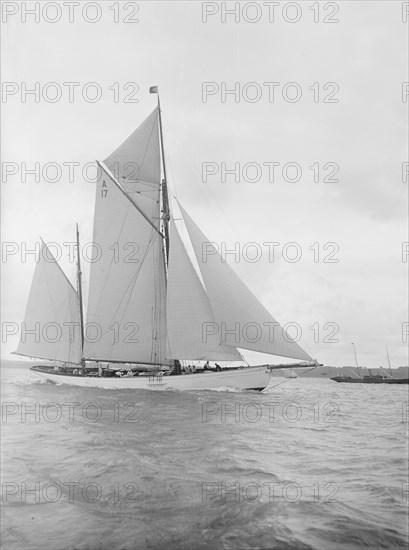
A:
291	374
372	378
147	308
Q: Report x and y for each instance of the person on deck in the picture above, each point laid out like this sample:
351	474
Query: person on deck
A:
177	370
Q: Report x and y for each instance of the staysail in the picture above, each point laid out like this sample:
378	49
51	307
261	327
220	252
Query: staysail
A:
190	319
126	317
51	328
242	321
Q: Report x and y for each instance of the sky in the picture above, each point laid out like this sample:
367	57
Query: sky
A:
337	107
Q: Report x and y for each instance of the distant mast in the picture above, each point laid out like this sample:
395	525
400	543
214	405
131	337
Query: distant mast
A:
389	361
356	359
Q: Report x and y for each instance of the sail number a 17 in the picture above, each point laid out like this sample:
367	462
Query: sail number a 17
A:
104	190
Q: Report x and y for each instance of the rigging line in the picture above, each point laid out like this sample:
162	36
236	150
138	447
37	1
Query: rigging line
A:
157	313
288	379
132	282
156	120
74	308
154	320
129	202
146	182
43	358
149	194
119	186
162	285
235	230
156	317
152	186
196	170
170	165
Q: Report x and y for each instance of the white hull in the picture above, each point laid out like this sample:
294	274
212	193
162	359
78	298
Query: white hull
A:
249	378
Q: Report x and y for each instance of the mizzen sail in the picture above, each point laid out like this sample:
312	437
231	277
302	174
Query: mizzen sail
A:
51	328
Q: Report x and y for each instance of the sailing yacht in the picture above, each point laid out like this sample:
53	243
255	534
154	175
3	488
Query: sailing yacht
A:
291	374
154	304
380	378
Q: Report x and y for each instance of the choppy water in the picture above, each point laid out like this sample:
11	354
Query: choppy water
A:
310	464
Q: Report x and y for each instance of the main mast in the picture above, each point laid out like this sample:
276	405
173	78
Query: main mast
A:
79	284
165	195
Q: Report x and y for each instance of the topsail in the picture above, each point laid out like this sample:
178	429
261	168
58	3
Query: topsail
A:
136	166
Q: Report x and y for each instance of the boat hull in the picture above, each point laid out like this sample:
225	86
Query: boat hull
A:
371	380
243	379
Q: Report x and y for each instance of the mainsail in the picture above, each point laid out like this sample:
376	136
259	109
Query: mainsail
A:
126	304
127	296
241	319
189	311
51	328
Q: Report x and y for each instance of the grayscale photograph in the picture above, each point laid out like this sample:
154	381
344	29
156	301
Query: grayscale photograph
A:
204	275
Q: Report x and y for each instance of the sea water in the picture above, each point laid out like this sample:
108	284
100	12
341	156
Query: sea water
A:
310	463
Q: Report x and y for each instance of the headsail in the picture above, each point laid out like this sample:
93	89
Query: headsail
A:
188	310
241	319
51	328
